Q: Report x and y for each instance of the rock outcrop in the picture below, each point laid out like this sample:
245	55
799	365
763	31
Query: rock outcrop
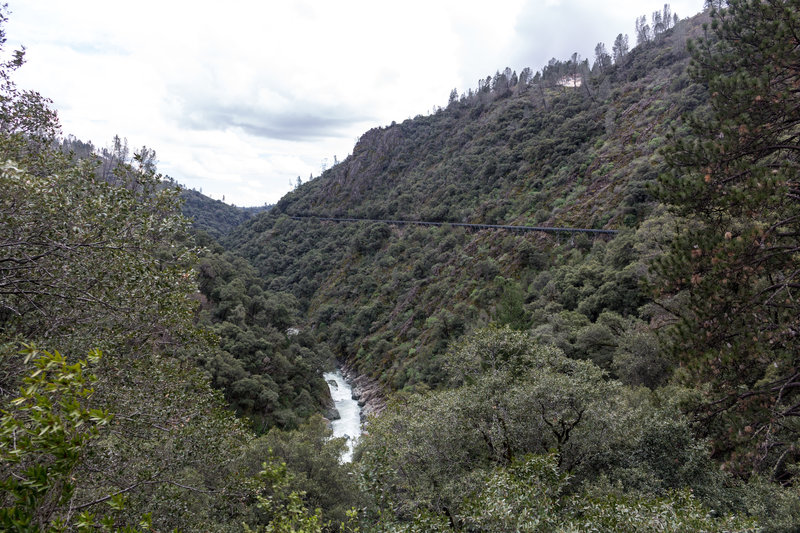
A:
366	391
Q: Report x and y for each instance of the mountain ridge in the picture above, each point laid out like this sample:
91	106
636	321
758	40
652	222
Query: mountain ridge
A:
539	155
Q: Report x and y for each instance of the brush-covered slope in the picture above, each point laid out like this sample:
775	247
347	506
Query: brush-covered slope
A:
214	216
390	300
525	153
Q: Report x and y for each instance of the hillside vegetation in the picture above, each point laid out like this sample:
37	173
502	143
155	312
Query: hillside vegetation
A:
155	376
215	217
395	302
107	420
390	299
524	153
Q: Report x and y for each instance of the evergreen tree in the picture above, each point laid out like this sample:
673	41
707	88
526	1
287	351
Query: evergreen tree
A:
620	48
525	76
735	265
602	60
644	34
453	97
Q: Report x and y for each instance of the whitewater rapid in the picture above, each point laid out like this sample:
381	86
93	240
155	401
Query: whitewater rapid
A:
349	422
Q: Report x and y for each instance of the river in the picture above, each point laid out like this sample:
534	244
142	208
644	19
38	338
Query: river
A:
349	422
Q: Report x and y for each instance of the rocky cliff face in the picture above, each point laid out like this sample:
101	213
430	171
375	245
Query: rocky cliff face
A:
367	391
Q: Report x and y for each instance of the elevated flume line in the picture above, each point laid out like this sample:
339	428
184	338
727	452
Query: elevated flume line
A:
545	229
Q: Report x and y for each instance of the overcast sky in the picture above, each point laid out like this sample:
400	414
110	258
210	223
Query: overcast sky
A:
238	98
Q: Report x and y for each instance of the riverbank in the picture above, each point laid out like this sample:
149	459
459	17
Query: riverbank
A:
366	391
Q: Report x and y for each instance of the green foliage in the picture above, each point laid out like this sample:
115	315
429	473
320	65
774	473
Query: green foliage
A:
525	496
640	359
515	397
24	115
394	311
214	216
43	434
731	274
267	372
389	299
313	459
679	511
519	427
284	508
83	258
511	310
774	504
103	260
533	495
591	304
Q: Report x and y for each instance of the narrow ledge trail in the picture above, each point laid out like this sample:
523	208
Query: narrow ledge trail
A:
545	229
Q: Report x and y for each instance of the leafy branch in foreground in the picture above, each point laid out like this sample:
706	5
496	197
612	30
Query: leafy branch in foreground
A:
284	507
42	438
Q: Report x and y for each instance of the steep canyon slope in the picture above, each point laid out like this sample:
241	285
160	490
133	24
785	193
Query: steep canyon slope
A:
390	299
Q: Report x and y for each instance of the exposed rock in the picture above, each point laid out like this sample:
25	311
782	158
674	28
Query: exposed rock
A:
330	412
366	391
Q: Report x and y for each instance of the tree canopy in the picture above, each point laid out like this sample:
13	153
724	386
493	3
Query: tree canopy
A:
733	270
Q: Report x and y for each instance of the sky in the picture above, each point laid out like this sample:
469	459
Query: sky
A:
239	98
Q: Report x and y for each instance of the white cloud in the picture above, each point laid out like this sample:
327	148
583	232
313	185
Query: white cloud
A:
240	98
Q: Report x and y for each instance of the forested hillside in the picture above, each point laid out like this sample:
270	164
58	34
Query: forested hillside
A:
267	365
267	376
532	151
613	151
108	421
214	216
390	299
155	376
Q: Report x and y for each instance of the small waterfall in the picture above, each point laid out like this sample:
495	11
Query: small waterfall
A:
349	422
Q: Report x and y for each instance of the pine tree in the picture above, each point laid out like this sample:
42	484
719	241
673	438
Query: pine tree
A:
620	48
732	275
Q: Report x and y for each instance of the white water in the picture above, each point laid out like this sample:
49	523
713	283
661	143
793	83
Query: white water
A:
349	422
